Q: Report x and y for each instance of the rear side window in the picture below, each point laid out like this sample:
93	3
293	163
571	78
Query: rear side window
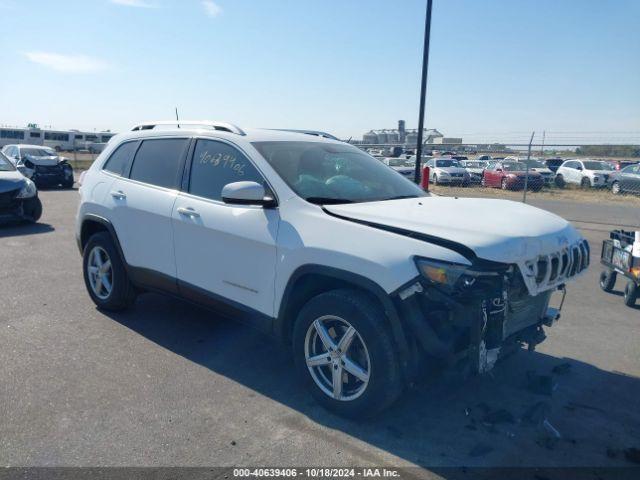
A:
119	160
158	162
215	164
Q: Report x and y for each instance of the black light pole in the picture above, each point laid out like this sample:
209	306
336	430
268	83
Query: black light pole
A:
423	90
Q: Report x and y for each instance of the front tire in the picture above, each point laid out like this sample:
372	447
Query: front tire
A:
33	209
345	353
105	275
607	280
559	180
585	183
615	188
504	184
630	294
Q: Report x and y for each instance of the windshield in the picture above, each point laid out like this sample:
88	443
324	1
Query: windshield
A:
514	166
447	163
592	165
534	163
5	164
37	152
474	164
335	173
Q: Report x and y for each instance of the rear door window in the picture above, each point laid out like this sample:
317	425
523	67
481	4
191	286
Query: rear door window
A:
157	162
118	162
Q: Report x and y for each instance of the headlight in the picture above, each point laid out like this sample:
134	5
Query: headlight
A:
444	174
447	275
28	191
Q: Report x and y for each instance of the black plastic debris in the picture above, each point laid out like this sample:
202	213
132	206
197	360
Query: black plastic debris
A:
536	413
541	384
632	454
561	369
480	450
497	417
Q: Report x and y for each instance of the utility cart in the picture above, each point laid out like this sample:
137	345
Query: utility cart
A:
617	257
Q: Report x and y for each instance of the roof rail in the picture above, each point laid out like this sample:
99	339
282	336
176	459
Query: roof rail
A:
220	126
308	132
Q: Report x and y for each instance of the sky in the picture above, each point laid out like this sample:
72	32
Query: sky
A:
498	69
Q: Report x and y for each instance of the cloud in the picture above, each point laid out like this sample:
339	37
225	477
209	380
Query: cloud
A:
211	8
133	3
67	63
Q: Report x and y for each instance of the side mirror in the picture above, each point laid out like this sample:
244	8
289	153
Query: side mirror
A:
247	193
579	168
498	169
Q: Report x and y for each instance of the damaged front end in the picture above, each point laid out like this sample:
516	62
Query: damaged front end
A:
471	316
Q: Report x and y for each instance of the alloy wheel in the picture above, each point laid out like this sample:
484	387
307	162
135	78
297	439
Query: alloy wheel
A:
100	273
337	358
615	188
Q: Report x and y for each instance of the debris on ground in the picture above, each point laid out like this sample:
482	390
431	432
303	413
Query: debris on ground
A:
632	454
561	369
571	406
541	384
551	429
537	413
480	450
497	417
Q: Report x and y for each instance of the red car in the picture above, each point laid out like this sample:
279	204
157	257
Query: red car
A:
511	176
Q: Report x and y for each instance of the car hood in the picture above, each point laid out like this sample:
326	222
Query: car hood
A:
542	171
404	169
48	161
497	230
450	169
474	169
11	181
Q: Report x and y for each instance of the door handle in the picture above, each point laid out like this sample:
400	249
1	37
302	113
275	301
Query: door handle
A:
120	195
188	212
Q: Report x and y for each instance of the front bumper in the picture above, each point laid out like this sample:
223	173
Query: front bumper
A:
52	176
475	328
17	209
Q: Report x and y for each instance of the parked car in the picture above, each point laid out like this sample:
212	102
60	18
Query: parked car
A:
366	278
511	176
541	168
554	163
448	172
41	164
484	158
403	166
18	195
586	173
474	168
620	164
626	180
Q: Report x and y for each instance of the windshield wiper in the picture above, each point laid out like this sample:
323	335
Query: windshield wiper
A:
400	197
328	200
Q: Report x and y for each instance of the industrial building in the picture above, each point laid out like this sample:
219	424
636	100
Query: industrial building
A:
402	136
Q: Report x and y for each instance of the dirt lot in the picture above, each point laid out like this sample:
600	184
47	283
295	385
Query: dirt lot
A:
169	384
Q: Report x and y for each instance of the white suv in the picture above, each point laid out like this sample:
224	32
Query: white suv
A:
586	173
357	269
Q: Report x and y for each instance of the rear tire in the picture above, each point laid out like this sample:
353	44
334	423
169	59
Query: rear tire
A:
483	182
608	280
504	185
113	290
585	183
371	349
630	294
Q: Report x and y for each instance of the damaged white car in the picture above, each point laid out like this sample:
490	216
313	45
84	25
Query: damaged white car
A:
19	200
366	278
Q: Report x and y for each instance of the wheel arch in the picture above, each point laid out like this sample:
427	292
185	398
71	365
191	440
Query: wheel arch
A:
310	280
92	224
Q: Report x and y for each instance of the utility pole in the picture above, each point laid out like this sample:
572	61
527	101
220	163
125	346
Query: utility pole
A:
423	89
526	177
542	148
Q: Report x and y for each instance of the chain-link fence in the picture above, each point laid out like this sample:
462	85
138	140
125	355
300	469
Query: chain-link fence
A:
462	170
